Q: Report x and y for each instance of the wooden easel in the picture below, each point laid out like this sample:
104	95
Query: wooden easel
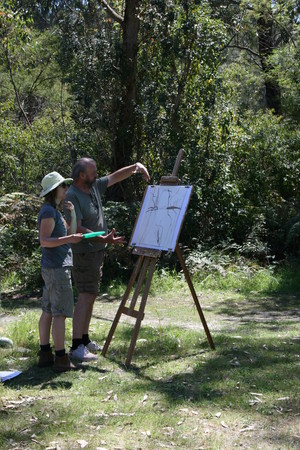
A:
147	259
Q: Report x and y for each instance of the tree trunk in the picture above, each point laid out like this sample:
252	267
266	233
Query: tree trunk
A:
123	147
266	45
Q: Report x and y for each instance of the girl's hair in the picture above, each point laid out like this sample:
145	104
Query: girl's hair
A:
51	198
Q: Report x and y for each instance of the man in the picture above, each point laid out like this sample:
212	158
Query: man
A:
88	255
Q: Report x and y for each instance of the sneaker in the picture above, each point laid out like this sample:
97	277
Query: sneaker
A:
45	358
81	353
63	364
94	347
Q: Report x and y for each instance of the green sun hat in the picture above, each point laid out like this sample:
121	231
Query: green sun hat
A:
51	181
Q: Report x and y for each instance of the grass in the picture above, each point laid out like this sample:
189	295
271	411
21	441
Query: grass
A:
178	393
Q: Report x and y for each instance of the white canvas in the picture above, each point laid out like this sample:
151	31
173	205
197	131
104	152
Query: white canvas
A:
161	216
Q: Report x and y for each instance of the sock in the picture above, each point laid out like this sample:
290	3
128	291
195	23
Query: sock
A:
85	339
60	352
45	348
76	343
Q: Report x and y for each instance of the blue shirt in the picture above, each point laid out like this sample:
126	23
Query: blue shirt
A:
55	257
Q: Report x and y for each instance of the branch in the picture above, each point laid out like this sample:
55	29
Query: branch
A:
73	160
15	87
112	13
240	47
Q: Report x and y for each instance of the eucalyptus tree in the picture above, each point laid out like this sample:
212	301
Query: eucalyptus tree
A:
261	29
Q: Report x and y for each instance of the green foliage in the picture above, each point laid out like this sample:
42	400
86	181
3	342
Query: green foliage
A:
118	261
201	85
19	239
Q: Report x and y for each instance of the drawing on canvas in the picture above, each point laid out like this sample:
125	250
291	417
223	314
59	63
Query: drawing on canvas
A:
161	216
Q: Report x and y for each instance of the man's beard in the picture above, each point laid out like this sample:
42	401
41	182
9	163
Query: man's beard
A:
89	183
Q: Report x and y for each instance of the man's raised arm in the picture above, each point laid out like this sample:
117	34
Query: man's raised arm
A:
126	172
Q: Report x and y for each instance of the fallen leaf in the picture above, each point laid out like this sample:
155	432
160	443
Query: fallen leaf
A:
146	433
16	402
235	362
250	428
82	443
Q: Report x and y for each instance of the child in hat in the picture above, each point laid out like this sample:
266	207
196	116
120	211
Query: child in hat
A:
57	301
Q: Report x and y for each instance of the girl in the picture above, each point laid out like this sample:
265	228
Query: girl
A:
57	301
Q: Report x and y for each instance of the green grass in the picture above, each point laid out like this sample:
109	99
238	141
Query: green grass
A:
9	282
178	393
244	278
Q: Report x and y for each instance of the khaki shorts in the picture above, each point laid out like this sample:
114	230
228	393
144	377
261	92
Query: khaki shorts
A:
58	297
87	271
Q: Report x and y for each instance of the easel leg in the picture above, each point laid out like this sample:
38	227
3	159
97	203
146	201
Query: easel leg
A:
194	295
139	284
123	302
141	311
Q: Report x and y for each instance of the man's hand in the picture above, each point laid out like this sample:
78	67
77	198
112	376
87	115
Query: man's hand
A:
139	168
111	239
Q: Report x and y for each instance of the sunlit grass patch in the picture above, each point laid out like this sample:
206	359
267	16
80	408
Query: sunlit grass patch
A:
245	393
10	281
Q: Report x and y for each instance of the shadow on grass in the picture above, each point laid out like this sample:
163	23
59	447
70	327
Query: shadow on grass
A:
191	372
18	300
274	310
36	376
47	378
15	300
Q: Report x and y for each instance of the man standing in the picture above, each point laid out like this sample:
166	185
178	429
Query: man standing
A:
88	255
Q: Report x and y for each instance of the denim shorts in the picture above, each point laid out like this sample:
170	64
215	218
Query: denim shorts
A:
58	293
87	271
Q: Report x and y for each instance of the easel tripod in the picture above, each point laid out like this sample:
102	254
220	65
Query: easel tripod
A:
147	259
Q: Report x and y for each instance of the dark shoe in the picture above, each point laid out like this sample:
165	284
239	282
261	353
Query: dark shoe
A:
45	358
63	364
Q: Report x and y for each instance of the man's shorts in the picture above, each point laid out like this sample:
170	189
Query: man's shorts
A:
58	293
87	271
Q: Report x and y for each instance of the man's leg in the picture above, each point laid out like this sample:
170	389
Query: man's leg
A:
81	320
87	272
83	314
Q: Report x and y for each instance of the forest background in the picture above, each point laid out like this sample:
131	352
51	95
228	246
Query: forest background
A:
137	80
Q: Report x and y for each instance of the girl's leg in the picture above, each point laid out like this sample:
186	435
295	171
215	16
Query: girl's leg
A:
58	332
45	353
44	328
62	362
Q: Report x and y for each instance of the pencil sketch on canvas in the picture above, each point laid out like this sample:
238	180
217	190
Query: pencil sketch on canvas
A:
161	216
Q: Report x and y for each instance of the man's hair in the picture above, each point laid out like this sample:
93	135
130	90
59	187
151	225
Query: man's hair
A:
80	166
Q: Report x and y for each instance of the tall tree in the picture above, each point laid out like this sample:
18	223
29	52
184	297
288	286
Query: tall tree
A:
124	137
260	27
